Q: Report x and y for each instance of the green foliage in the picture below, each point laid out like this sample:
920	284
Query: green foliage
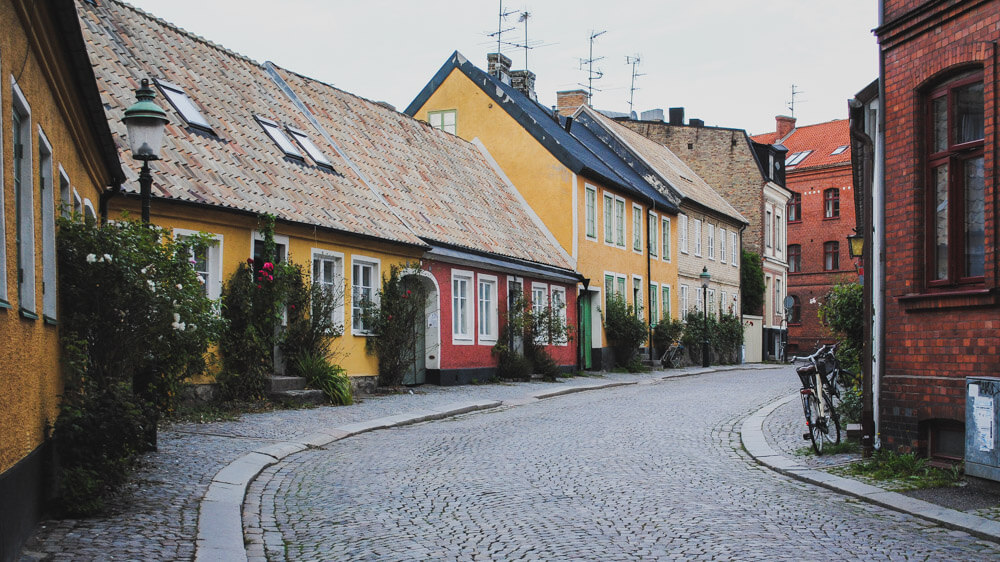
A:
666	333
625	329
393	323
521	326
906	471
842	311
752	283
330	378
311	328
724	335
850	406
135	324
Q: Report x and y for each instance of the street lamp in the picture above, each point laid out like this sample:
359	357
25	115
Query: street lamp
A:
856	245
145	122
705	278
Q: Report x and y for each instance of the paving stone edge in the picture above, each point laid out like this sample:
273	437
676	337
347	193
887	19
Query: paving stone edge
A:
755	443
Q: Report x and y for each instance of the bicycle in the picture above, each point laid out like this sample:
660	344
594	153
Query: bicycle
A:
672	355
820	381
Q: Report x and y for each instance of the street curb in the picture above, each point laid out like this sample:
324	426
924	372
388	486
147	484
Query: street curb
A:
220	513
755	443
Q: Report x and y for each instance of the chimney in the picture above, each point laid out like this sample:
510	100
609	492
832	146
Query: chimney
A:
696	123
497	64
652	115
524	81
784	125
568	101
676	115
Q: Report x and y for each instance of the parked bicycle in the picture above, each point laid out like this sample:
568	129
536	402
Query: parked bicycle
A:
672	356
821	380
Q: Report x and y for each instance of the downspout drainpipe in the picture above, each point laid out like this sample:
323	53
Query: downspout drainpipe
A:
649	281
102	202
740	285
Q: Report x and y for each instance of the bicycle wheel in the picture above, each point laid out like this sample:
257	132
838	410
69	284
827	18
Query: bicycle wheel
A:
833	424
810	407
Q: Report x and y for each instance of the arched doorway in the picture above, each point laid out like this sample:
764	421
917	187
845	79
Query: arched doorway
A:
427	326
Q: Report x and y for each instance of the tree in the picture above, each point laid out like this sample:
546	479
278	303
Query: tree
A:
752	283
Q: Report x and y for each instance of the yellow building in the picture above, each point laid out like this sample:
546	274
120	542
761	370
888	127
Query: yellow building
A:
618	230
57	156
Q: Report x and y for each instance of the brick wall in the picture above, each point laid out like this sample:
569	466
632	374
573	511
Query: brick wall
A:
932	340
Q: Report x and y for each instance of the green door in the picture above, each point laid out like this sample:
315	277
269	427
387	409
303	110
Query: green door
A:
585	330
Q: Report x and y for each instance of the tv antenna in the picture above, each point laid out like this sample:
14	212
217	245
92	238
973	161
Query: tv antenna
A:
589	62
500	29
527	45
634	61
791	102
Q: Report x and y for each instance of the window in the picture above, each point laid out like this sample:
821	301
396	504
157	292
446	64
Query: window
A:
711	241
487	305
795	314
698	298
3	227
839	150
665	291
591	202
364	274
794	258
637	295
697	237
620	280
777	295
722	245
183	104
796	158
445	120
77	202
684	302
24	205
831	203
206	261
956	220
559	313
665	228
280	248
609	289
310	147
767	228
654	237
46	192
724	302
682	228
711	303
733	246
831	256
654	309
65	194
778	241
637	228
620	222
461	309
274	131
794	208
539	301
609	219
328	273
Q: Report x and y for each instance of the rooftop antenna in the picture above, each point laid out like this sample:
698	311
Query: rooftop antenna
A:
524	18
500	30
591	73
791	102
634	61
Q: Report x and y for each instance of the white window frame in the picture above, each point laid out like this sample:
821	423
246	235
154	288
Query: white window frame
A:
685	303
339	310
590	211
665	235
309	146
460	315
491	309
24	202
653	236
665	295
538	306
273	130
637	228
723	301
436	120
697	237
88	210
4	299
620	221
47	198
682	229
767	228
654	300
777	295
722	244
711	240
699	297
734	254
608	200
213	257
778	233
376	265
65	193
638	303
77	202
560	312
279	240
183	104
711	303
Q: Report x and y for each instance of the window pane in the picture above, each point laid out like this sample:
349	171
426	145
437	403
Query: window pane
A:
620	223
975	218
637	229
939	118
609	221
591	213
311	148
941	222
969	122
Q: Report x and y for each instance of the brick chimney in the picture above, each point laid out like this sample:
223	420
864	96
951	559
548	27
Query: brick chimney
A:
784	125
524	81
497	64
567	102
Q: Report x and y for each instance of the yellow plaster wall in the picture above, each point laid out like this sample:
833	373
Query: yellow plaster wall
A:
237	231
30	376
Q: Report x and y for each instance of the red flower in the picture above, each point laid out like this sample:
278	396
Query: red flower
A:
390	317
250	261
293	307
407	291
258	286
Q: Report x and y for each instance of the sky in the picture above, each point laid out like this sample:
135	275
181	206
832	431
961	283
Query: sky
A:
731	63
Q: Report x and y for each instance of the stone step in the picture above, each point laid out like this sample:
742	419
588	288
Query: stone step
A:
277	383
310	396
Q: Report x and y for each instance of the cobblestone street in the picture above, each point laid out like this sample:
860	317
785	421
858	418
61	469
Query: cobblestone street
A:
638	472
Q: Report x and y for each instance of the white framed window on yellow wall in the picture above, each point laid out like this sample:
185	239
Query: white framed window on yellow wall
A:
665	229
637	228
619	222
590	201
445	120
609	219
653	235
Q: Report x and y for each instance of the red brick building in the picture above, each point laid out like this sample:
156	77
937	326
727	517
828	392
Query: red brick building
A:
820	218
942	321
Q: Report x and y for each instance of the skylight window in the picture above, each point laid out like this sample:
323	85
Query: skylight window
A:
839	150
183	104
274	131
797	158
310	147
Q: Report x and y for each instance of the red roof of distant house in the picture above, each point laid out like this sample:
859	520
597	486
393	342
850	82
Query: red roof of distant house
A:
829	143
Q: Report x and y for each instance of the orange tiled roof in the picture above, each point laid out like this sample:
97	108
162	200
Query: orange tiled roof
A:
822	139
393	179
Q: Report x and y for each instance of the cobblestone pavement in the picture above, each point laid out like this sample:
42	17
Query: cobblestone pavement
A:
156	516
654	471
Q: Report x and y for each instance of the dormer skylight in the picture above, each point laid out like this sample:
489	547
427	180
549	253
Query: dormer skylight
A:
274	131
183	104
839	150
310	147
796	158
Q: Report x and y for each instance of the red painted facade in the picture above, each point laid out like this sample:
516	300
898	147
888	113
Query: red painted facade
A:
936	333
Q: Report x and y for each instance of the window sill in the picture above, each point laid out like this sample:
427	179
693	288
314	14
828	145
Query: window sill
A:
464	340
831	218
954	298
5	304
50	320
27	314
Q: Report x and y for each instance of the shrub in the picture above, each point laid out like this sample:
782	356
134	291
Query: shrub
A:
521	325
724	335
752	283
666	333
331	379
625	329
842	311
392	320
311	328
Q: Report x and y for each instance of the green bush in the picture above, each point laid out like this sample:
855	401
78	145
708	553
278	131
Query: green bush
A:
533	330
331	379
752	283
311	328
393	320
625	329
666	333
724	335
842	311
850	405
